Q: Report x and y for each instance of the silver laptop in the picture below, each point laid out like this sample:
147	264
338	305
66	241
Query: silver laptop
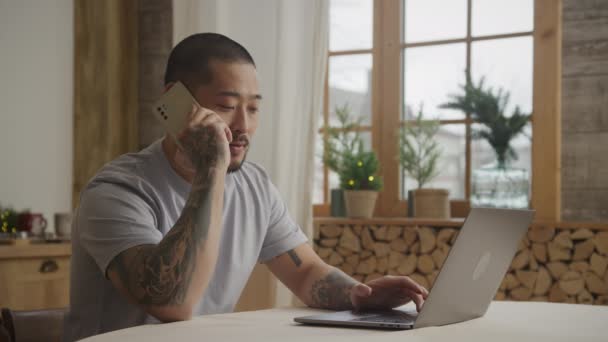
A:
467	282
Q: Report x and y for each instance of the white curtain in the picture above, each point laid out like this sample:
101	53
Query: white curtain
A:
288	40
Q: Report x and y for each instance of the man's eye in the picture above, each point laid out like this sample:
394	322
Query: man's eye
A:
223	107
253	110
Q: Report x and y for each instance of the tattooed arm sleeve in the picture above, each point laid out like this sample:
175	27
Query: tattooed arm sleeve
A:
332	291
169	278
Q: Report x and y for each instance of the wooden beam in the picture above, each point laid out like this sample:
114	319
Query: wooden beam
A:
546	128
468	147
321	210
387	99
468	38
350	52
389	221
105	85
325	134
453	222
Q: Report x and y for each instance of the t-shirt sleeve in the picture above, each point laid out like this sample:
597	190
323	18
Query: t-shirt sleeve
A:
283	233
111	219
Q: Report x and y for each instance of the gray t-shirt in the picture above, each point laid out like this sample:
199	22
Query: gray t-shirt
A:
135	200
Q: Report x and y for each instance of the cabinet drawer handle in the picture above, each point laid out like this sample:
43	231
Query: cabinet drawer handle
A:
49	266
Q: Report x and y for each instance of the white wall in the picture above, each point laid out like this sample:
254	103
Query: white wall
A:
36	95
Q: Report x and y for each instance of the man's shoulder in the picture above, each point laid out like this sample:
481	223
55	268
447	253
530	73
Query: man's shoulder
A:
125	169
129	171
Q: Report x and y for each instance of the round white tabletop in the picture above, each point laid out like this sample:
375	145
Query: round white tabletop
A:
504	321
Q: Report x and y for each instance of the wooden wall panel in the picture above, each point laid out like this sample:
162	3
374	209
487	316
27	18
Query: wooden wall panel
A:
586	161
585	104
587	203
155	39
585	32
105	85
585	113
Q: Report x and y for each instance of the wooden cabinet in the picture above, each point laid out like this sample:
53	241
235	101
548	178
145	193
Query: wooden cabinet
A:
35	276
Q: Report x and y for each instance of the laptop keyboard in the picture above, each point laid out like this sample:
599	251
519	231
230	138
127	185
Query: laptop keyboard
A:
400	317
380	319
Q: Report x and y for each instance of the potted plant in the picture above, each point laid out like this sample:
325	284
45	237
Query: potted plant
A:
9	219
337	141
344	154
497	184
419	154
360	182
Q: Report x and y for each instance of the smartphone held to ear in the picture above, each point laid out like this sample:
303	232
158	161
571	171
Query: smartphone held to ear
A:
173	107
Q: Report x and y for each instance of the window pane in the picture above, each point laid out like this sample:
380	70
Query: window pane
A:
350	80
350	24
500	16
431	74
482	153
451	175
427	20
507	64
334	180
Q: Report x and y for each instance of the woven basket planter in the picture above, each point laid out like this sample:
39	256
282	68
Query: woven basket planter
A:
432	203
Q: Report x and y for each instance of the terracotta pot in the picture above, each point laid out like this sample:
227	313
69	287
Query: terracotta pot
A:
432	203
360	203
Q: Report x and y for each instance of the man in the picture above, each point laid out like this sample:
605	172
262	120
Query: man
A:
165	234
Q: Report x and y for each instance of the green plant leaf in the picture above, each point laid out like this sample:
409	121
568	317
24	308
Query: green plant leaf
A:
419	152
488	107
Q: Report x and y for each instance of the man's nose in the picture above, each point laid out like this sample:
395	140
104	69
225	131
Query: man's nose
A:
240	121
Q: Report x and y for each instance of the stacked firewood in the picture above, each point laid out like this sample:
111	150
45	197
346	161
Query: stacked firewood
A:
558	265
565	265
368	252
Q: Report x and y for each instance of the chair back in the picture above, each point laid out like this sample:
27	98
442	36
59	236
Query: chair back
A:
33	325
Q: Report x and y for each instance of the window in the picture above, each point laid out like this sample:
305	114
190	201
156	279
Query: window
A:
418	56
443	39
349	78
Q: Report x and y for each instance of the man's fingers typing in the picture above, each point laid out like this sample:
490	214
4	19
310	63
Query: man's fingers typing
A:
417	299
401	282
362	290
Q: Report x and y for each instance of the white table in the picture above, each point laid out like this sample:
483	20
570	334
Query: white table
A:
504	321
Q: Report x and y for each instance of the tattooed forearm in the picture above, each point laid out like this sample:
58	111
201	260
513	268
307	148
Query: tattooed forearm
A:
332	291
161	274
202	148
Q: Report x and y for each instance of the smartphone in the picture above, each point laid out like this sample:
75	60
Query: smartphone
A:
173	107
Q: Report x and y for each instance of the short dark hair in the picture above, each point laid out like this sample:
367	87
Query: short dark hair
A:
189	60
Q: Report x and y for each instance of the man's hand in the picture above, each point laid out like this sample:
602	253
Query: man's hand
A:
387	292
320	285
205	141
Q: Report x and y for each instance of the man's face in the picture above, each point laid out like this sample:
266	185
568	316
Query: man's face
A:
234	95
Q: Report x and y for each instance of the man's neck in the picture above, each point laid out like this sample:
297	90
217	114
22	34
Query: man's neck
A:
169	148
